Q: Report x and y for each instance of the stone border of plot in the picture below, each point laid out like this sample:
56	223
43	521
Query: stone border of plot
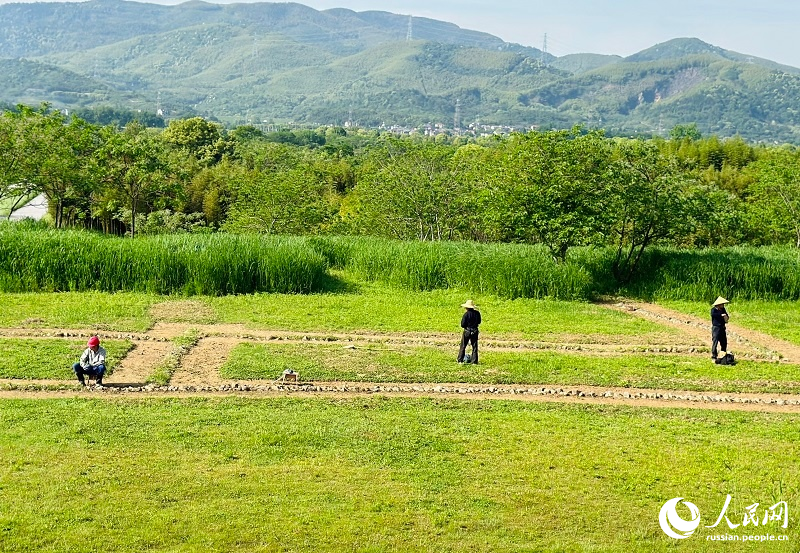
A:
452	390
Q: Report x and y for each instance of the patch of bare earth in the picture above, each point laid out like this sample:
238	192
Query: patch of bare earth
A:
200	367
139	364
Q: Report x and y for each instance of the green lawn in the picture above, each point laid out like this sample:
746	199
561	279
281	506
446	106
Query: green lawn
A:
95	310
51	358
777	318
373	308
382	309
385	363
381	475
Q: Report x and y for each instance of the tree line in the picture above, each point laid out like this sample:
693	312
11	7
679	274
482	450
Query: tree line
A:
562	189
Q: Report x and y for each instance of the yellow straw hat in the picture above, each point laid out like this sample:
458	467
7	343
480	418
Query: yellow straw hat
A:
720	301
468	304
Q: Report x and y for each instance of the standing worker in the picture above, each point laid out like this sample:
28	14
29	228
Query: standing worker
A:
92	363
719	317
469	322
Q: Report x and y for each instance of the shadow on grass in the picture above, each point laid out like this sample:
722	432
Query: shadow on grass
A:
337	284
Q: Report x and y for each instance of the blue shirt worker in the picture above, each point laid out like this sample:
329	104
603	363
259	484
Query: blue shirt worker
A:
469	322
719	317
92	363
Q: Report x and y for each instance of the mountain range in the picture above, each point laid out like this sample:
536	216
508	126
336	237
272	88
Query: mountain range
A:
262	63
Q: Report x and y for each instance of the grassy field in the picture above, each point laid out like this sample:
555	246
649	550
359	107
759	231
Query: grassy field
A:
369	308
392	363
51	358
377	474
380	475
91	310
378	308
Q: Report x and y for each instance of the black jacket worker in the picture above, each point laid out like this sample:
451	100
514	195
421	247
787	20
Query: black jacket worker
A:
470	323
719	317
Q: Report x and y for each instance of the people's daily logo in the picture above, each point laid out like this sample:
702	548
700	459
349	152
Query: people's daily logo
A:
673	524
753	516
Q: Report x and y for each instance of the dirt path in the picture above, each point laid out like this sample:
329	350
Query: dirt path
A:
200	367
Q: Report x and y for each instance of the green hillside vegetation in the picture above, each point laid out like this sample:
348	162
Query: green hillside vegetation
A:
722	97
26	81
246	63
581	63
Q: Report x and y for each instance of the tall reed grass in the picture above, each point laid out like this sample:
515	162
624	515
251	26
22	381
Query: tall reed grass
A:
766	273
183	264
217	264
506	270
512	270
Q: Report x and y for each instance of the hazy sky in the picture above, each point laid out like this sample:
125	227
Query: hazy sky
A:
766	28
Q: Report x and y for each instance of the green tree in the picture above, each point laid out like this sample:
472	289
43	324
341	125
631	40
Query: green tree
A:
203	139
14	185
279	202
651	200
688	131
549	188
134	165
408	190
57	156
211	190
775	196
480	209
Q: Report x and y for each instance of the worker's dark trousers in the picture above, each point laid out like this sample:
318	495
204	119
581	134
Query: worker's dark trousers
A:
718	338
468	337
97	372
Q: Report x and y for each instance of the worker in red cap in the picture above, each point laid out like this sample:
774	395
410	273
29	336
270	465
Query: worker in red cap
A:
92	363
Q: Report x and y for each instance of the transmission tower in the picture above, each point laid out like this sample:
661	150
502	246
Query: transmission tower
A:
410	32
544	51
457	117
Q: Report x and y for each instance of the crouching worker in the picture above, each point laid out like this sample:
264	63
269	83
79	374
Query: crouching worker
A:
469	322
92	363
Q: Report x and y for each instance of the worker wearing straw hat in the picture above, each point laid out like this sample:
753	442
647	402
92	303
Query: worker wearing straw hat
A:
719	318
469	322
92	363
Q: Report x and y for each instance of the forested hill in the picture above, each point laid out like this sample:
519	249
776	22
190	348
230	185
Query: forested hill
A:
281	62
